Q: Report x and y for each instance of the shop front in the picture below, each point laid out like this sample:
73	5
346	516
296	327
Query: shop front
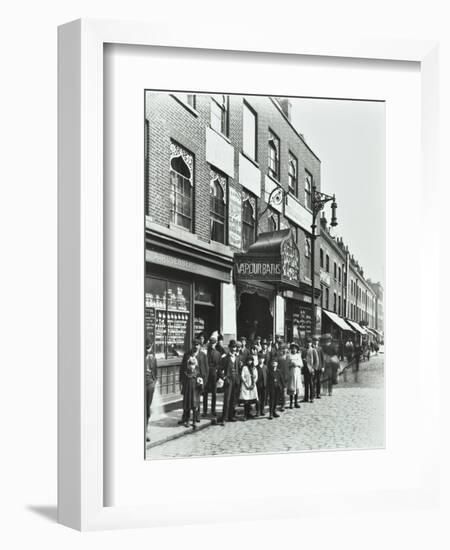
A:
336	326
270	267
182	301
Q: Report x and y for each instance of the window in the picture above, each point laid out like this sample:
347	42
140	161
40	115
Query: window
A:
167	317
294	230
308	189
339	305
274	221
334	302
182	183
344	308
219	113
327	268
321	258
307	247
250	129
292	174
217	193
335	270
274	156
189	99
248	221
339	274
327	297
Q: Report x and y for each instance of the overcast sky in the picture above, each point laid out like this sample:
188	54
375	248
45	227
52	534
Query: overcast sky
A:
349	139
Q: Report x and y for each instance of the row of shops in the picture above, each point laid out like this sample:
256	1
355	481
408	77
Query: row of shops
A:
258	293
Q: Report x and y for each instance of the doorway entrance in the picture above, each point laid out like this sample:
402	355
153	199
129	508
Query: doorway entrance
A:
254	317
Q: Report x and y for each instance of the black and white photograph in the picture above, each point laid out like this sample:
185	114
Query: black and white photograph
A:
264	274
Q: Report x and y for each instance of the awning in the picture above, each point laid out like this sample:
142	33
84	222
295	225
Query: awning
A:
273	258
338	320
357	327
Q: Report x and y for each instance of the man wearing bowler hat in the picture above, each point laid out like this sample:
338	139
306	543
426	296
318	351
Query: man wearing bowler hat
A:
230	371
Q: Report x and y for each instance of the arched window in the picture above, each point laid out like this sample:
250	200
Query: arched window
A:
308	190
274	156
292	173
248	222
181	186
217	211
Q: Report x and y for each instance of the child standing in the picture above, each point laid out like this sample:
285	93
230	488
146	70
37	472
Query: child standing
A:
249	392
295	375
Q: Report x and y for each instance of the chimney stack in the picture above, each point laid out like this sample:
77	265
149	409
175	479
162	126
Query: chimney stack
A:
286	106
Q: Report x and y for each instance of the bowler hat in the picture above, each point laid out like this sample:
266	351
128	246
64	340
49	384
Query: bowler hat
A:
232	344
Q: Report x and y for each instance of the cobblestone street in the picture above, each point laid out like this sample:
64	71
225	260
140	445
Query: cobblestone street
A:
353	418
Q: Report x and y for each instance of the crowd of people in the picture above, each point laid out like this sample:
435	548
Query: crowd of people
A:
265	377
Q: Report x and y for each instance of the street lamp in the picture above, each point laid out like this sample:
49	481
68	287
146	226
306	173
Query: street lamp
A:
318	201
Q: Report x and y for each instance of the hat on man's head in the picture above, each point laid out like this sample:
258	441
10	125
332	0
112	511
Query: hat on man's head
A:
232	344
242	338
264	341
196	342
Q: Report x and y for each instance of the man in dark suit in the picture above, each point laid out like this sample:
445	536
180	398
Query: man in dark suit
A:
210	385
151	375
275	384
319	369
230	370
261	384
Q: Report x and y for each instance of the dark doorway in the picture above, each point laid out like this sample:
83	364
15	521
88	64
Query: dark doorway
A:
254	317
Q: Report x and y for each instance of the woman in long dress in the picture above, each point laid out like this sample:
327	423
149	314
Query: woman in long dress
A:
249	392
294	385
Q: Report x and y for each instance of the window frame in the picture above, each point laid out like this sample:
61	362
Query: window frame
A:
255	136
308	194
292	161
173	191
246	199
274	174
214	214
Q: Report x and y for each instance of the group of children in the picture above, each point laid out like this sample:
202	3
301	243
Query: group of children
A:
260	375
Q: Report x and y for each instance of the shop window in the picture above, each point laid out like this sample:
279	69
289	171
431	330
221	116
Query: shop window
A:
250	132
206	313
248	221
167	317
274	156
292	175
217	190
219	113
182	183
308	190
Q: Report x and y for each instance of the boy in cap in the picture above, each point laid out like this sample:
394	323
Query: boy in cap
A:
274	387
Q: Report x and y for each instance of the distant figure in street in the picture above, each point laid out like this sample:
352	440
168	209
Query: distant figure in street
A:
309	366
249	393
261	384
319	369
275	385
331	362
294	384
191	388
349	348
230	371
210	387
151	374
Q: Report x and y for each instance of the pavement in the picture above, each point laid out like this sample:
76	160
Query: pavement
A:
352	418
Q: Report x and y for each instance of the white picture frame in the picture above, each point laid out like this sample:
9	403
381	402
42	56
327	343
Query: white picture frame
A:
81	480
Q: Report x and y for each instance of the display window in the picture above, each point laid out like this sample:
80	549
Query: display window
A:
167	317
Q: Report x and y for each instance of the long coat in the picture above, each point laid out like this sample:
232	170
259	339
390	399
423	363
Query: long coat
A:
249	378
294	385
191	390
213	361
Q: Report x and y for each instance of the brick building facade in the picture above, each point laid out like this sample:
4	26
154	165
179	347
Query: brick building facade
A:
211	164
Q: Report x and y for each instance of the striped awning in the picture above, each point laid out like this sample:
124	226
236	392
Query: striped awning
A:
338	321
357	327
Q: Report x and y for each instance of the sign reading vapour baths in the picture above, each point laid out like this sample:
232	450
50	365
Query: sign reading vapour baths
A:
274	260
